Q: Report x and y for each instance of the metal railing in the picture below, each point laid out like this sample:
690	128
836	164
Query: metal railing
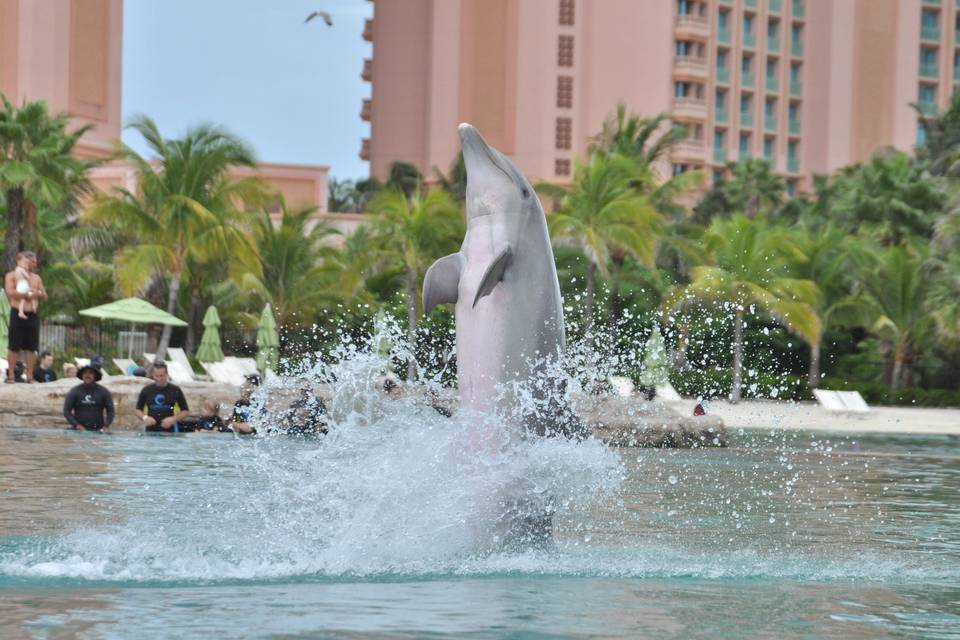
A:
720	115
770	123
719	154
746	120
749	40
746	79
930	32
796	49
773	43
796	89
928	70
772	84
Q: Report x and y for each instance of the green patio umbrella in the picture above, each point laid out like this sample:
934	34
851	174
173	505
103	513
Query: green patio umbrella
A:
134	311
4	319
268	342
210	350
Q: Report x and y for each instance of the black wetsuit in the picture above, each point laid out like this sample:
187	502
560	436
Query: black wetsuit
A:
161	402
44	375
89	407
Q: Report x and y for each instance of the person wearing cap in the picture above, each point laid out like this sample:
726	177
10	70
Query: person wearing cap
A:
161	404
89	406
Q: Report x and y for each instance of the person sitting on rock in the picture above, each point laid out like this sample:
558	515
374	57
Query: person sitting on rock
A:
44	371
161	405
89	406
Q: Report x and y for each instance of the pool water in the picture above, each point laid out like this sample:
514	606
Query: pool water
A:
780	536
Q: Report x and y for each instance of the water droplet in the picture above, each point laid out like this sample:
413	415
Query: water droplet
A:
673	479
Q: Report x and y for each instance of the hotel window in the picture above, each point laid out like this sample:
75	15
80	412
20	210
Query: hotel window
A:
565	92
796	34
683	7
723	19
722	60
928	57
681	89
695	132
565	51
747	25
956	22
721	100
768	147
772	70
561	167
792	151
717	176
684	47
773	29
928	20
564	133
795	72
770	107
746	104
566	13
679	168
928	95
718	139
746	65
744	145
791	188
794	112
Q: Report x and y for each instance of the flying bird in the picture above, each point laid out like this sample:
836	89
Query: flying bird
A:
320	14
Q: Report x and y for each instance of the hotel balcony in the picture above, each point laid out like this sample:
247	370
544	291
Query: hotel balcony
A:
720	116
794	128
774	6
749	40
799	9
929	70
773	44
927	108
796	90
796	49
368	29
691	66
365	149
956	35
746	120
693	25
772	84
750	4
365	110
723	36
719	155
689	107
367	73
930	32
689	150
770	124
793	165
723	76
746	80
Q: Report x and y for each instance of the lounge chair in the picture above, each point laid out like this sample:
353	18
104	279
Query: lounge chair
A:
148	359
667	393
830	400
125	365
180	357
853	401
225	373
247	365
178	374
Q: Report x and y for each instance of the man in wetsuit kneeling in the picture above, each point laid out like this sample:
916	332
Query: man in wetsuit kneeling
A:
89	406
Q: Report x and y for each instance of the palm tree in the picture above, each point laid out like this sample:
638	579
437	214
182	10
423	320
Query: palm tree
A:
37	169
892	302
291	258
411	233
750	268
603	214
640	139
185	208
753	188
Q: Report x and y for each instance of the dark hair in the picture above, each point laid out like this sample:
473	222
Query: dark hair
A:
44	354
389	385
159	364
252	379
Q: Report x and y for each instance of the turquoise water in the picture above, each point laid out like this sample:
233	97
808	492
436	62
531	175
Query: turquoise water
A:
379	534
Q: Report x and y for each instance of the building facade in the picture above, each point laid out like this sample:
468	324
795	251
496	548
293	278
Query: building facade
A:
810	85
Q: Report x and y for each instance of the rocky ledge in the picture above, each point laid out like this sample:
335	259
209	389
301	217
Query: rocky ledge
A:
618	421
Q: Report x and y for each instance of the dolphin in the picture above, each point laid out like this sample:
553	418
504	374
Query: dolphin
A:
503	281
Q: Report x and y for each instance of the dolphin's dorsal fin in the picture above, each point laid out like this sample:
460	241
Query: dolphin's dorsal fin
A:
442	282
494	272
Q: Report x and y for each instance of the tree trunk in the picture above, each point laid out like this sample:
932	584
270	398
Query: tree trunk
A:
193	321
411	324
737	354
813	376
616	301
15	198
588	311
171	309
899	357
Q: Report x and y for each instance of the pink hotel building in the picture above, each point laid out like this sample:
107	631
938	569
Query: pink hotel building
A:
811	85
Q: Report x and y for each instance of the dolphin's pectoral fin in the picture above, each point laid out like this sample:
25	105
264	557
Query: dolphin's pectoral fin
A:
442	282
493	273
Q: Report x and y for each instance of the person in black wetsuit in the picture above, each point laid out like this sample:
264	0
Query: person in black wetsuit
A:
244	411
161	404
44	371
89	406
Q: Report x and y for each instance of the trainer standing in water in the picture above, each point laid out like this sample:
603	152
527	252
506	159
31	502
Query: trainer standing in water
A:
161	404
89	406
24	333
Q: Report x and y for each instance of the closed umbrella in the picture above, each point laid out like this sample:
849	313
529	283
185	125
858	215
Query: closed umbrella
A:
268	342
210	350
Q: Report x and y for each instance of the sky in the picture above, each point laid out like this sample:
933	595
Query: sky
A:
291	90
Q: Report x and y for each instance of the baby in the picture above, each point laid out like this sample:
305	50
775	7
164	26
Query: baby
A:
210	420
23	288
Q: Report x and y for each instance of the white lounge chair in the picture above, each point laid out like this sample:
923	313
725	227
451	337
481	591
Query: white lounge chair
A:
247	365
622	385
667	393
225	373
829	400
853	401
125	365
178	374
180	357
148	359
